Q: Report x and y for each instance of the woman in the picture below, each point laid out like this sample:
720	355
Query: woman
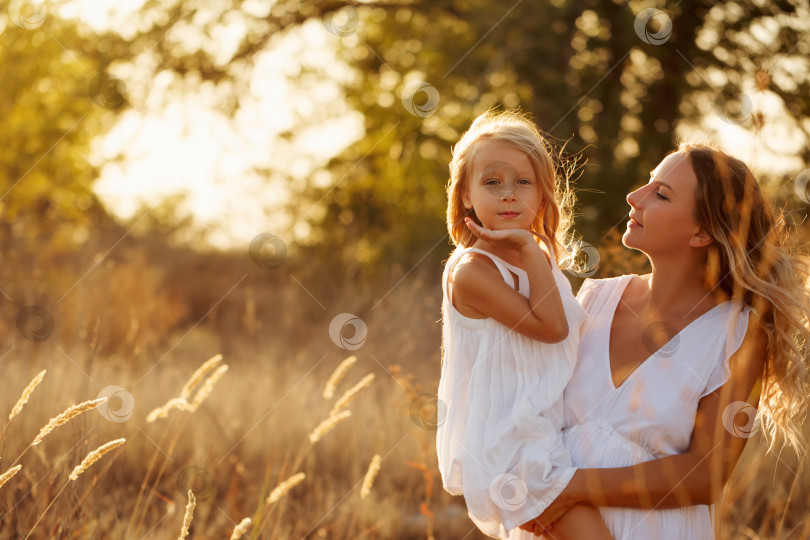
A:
652	423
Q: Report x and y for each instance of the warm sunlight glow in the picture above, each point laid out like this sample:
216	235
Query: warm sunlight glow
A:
182	144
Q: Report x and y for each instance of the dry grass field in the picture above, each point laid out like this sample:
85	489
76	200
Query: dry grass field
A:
248	440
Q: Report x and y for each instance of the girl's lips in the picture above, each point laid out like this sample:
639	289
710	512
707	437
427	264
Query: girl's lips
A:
633	223
509	215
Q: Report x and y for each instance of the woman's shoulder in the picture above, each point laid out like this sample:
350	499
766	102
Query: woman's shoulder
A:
592	289
602	283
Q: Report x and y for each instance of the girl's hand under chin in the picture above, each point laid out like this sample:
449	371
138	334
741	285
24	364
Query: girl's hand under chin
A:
516	239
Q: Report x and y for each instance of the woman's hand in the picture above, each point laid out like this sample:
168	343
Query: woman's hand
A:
535	527
556	510
516	239
566	500
544	522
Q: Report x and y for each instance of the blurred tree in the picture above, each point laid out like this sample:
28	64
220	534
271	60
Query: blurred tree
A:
57	98
52	105
615	78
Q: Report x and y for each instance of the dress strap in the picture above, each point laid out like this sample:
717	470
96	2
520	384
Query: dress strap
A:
500	264
503	267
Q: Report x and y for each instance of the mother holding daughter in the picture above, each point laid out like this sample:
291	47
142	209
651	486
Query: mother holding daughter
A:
645	425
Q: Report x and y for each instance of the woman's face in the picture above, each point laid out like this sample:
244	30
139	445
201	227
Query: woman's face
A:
663	211
502	187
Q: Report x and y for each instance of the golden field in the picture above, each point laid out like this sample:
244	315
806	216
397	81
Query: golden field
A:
144	320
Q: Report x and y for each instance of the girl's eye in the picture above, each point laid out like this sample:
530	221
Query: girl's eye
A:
658	193
491	181
525	181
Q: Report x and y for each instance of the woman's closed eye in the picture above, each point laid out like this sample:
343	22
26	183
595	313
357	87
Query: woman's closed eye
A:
658	194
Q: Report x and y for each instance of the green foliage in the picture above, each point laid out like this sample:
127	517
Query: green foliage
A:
49	121
581	68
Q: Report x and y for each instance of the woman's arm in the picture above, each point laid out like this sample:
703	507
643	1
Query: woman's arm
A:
694	477
478	287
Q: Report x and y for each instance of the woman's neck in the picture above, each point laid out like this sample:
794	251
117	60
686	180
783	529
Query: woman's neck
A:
678	288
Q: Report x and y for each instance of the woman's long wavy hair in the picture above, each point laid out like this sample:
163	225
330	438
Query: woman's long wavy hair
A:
516	129
752	260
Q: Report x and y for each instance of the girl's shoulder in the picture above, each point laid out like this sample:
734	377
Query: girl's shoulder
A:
472	268
463	259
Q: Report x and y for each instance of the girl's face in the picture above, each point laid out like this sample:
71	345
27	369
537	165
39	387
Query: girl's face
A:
662	215
502	187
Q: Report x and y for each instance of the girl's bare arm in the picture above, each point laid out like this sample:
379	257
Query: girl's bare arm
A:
478	287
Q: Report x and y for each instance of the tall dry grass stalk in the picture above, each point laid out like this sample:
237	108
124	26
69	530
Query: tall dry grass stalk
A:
207	387
182	402
65	417
241	529
283	488
192	502
405	381
337	376
371	474
351	393
26	394
327	425
424	507
198	375
6	476
163	411
94	456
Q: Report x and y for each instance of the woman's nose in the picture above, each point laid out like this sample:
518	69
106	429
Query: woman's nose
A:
633	198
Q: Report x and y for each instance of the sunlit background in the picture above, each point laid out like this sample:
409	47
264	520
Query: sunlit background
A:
180	143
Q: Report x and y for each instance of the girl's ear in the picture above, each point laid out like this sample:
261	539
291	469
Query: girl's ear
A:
465	198
700	239
543	207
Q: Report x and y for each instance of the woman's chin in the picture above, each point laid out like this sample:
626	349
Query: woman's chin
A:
629	241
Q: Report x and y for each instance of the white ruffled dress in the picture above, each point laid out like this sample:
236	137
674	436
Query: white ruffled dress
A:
500	444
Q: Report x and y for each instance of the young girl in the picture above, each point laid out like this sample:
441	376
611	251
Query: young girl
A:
510	333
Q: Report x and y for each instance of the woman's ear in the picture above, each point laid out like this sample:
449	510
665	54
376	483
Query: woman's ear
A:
700	239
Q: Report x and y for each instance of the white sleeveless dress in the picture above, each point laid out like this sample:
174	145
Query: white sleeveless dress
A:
500	443
652	413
